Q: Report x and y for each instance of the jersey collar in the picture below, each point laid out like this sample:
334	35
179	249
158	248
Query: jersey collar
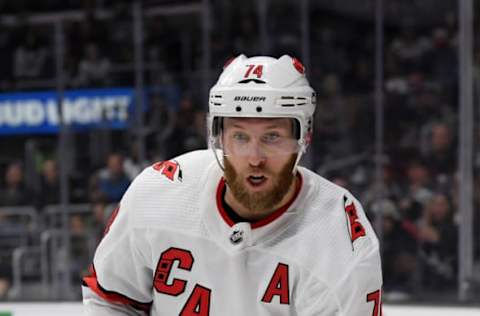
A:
267	220
225	232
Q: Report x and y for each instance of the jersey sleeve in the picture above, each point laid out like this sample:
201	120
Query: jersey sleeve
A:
359	292
121	280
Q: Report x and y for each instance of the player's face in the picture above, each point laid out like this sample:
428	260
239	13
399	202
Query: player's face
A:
259	159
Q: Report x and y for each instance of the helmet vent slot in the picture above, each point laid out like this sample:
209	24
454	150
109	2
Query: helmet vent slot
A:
302	99
292	101
216	100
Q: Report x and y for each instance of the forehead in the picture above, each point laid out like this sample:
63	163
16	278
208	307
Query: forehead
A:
267	123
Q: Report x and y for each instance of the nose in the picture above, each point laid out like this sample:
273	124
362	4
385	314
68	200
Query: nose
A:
256	155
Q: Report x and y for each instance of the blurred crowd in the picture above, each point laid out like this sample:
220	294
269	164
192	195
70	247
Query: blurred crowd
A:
419	195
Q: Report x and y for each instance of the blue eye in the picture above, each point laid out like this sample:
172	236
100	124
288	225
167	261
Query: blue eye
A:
271	138
240	137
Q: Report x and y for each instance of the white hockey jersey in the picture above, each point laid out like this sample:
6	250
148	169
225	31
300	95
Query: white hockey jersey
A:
171	249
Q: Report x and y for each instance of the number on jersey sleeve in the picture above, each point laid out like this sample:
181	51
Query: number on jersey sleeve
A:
375	297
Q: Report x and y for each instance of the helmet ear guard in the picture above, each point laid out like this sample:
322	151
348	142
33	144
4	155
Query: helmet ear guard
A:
263	87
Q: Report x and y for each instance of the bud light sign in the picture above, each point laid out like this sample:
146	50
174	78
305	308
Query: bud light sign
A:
37	112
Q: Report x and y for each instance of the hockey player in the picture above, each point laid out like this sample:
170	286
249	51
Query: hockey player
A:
240	229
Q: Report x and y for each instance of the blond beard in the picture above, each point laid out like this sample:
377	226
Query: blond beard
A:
259	202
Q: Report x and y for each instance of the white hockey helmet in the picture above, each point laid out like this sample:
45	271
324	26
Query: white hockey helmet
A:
263	87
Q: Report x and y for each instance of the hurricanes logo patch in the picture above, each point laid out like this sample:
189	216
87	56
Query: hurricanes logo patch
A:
356	228
170	169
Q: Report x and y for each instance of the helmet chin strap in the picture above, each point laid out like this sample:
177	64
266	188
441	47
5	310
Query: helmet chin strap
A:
215	153
303	149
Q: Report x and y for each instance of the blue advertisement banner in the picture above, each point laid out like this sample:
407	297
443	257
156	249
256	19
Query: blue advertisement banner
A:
37	112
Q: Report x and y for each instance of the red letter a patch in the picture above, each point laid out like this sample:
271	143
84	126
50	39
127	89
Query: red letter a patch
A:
278	285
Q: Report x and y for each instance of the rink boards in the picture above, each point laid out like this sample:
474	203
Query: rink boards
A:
75	309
